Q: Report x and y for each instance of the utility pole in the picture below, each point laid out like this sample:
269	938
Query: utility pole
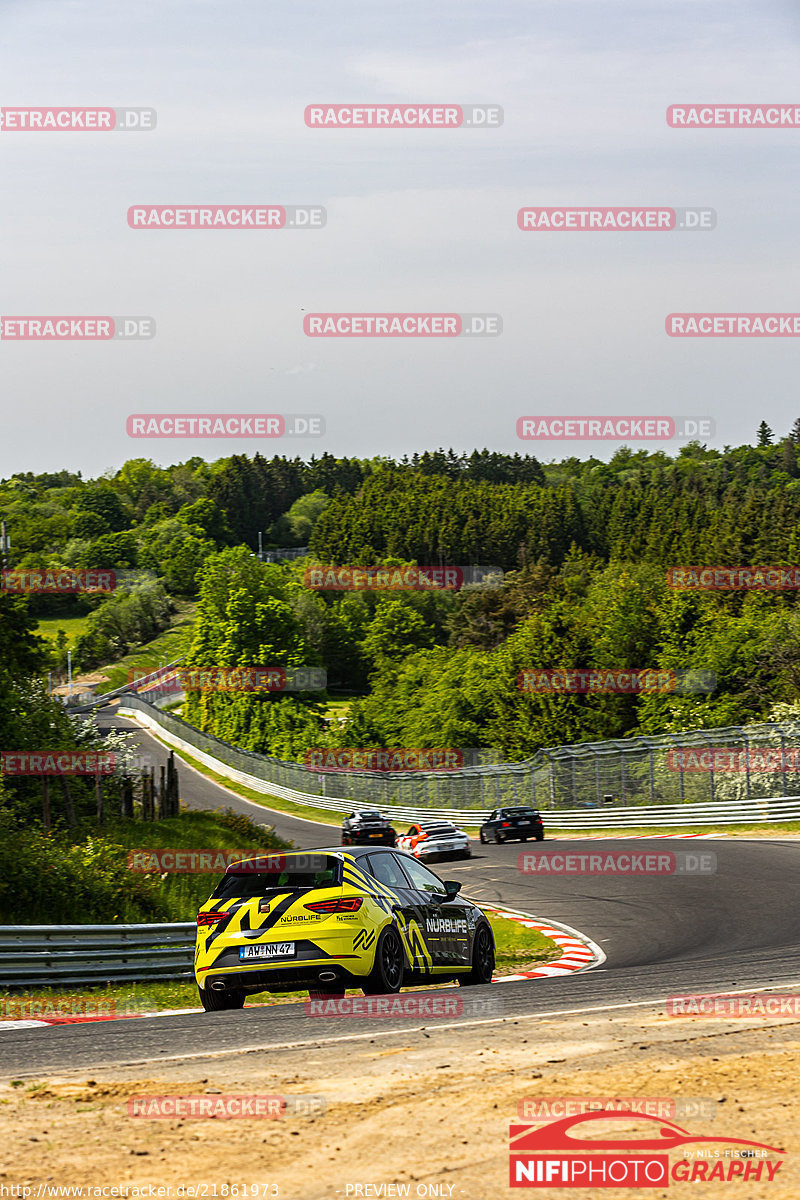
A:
5	546
260	551
69	671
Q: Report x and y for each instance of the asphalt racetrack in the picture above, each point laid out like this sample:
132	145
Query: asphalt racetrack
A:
735	930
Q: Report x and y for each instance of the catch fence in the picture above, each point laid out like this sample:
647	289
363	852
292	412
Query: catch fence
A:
725	767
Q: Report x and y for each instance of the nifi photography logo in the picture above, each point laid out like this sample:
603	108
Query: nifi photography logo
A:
574	1153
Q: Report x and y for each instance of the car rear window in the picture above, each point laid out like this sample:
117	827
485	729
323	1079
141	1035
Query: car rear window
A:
521	812
321	871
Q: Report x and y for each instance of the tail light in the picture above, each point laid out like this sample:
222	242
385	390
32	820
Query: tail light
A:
209	918
506	825
342	904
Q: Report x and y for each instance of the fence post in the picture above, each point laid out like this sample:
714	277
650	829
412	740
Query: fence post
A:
126	798
68	805
162	792
173	787
147	793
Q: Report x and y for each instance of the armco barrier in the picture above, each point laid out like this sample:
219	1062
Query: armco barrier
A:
210	750
56	954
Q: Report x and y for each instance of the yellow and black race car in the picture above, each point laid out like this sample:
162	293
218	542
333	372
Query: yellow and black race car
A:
327	920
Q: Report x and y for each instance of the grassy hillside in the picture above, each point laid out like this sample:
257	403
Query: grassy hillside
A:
83	879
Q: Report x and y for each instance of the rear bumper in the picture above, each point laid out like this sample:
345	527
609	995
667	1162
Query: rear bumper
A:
451	852
516	832
282	979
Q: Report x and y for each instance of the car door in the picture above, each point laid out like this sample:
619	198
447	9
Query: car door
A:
409	913
448	924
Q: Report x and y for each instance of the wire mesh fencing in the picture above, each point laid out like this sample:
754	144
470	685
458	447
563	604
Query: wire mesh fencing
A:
711	766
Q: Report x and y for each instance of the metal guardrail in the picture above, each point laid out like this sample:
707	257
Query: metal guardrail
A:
591	816
687	768
54	954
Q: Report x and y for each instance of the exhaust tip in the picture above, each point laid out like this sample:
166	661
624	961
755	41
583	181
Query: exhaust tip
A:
327	976
217	986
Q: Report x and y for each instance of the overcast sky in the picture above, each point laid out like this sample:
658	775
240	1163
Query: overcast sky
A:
417	220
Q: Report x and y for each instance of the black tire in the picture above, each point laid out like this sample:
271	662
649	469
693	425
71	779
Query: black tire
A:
482	959
386	977
220	1001
540	836
498	839
482	837
523	837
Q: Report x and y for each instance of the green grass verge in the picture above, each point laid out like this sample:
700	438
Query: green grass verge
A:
172	643
82	877
264	799
518	948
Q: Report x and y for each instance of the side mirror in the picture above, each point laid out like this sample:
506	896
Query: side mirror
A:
452	888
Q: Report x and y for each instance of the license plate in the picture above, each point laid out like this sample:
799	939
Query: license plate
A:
267	950
375	835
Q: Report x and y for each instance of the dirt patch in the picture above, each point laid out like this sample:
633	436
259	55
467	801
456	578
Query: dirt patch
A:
430	1110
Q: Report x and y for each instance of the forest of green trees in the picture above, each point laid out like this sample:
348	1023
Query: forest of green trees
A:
584	546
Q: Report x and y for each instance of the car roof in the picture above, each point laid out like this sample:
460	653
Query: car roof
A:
349	851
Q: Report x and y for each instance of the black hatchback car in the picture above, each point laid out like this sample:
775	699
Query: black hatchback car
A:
365	827
512	824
